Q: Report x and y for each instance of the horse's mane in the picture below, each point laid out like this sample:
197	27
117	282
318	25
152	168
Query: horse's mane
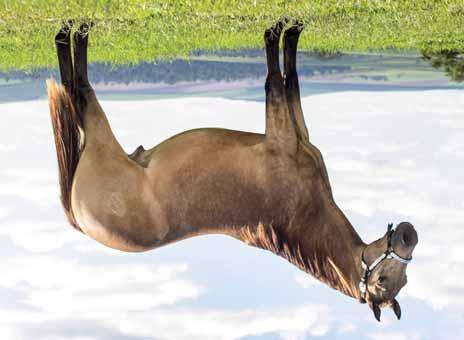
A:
317	263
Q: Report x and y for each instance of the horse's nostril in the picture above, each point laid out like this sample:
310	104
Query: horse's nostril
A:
406	239
407	235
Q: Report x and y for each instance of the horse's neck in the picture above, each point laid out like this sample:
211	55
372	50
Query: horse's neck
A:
327	247
337	248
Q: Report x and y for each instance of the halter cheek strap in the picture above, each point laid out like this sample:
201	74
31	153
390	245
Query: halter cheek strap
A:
388	254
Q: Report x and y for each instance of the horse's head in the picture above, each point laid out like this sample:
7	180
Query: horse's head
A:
384	265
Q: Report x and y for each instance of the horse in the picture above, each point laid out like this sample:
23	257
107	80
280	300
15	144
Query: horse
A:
271	190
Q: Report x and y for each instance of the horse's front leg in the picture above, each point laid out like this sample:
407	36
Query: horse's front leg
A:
292	88
280	130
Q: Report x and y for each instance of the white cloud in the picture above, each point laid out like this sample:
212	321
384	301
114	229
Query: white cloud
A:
411	335
296	322
291	322
40	235
454	146
57	289
306	281
437	282
54	284
153	121
90	247
7	148
4	212
36	184
347	328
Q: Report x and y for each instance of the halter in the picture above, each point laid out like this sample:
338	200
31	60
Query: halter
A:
388	254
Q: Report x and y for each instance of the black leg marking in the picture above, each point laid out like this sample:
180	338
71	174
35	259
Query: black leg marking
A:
80	57
81	81
292	88
63	48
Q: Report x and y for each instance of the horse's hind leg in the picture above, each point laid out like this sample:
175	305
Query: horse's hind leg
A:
63	48
86	103
292	88
81	81
97	129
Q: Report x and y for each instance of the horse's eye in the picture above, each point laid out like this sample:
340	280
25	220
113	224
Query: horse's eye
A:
382	279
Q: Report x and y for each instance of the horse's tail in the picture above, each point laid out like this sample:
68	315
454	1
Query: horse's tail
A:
68	131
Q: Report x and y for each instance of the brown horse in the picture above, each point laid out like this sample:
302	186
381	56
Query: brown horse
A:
271	191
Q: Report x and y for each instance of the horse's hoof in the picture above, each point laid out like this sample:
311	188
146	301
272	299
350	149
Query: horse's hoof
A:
272	34
62	37
294	30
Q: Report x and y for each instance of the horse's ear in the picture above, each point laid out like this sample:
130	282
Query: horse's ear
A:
376	310
396	308
389	228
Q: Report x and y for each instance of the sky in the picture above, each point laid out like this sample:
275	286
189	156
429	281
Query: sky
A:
391	157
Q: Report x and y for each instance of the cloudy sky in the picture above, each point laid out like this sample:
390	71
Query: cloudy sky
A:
391	156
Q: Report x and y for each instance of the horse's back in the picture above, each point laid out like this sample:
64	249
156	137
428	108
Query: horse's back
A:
209	176
207	139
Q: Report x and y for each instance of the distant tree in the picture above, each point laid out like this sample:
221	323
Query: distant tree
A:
451	61
175	71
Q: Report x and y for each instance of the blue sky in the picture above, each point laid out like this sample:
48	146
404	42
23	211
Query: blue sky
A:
391	156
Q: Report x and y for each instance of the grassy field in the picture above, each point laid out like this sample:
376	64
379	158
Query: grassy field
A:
131	31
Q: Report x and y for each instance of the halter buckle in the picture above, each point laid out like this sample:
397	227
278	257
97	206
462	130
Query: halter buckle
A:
364	265
362	287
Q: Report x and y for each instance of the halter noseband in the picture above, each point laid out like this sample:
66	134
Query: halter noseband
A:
388	254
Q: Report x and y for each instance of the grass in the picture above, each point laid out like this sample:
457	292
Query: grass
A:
131	31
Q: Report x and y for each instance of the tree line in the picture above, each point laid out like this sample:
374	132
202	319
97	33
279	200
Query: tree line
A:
173	72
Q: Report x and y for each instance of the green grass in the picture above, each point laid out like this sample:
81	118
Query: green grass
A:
133	30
